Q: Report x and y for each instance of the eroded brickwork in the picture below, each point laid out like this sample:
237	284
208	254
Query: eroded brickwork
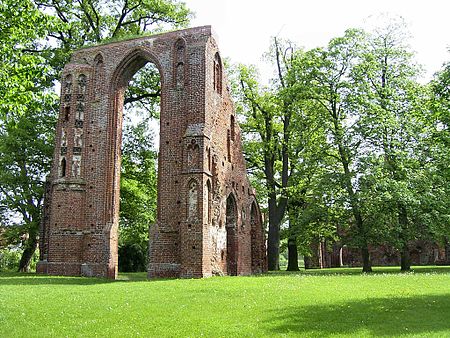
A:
208	220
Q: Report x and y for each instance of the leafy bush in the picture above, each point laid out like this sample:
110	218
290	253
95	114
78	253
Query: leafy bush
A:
132	258
9	259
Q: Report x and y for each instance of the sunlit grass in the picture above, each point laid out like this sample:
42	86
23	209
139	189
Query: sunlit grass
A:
330	302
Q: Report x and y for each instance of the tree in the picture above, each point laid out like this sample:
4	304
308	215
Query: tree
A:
138	196
438	144
327	72
23	74
440	119
268	114
390	103
138	180
27	118
364	92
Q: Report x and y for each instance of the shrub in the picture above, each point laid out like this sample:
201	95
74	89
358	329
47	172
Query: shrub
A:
9	259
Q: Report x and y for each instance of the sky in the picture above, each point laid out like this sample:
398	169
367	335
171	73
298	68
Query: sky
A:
245	27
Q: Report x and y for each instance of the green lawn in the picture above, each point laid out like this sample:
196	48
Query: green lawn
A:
332	302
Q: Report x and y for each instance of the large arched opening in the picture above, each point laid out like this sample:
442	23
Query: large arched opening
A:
256	239
137	92
232	236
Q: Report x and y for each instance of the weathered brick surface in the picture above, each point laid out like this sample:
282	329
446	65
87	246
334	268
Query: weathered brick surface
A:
208	219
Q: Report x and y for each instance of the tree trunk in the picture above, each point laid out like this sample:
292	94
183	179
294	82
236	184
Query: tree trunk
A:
447	252
292	254
276	213
27	255
273	247
405	259
354	200
367	265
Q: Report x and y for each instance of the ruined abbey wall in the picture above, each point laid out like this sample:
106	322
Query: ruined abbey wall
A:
208	220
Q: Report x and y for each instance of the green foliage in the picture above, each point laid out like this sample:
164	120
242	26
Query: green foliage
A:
138	193
26	146
271	119
132	258
27	119
10	259
83	23
23	73
438	146
367	144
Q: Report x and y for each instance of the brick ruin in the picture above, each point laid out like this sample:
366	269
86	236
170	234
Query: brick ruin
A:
331	254
208	219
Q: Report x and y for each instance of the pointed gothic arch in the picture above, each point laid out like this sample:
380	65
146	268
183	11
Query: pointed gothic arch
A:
231	227
257	239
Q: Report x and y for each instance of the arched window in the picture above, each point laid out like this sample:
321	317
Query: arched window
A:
180	75
68	84
66	113
193	155
82	81
98	60
209	199
232	236
217	74
209	159
229	146
179	62
67	88
192	201
232	125
99	75
256	239
62	168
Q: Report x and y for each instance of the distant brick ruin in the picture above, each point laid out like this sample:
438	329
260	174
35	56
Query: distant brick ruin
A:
208	219
333	254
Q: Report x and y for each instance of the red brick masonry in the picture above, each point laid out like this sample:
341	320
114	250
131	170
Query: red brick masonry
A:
209	222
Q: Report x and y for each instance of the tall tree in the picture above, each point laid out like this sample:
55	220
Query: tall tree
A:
438	146
26	122
137	193
327	72
268	115
390	102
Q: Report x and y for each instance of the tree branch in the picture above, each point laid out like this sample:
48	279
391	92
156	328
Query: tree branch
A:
142	96
122	17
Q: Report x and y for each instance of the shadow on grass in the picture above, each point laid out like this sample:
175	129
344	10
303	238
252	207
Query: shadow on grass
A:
17	278
9	278
377	316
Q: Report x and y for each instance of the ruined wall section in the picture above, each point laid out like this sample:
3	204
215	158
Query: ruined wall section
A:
228	175
200	163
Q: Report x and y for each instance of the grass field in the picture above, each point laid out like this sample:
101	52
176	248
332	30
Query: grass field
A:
332	302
